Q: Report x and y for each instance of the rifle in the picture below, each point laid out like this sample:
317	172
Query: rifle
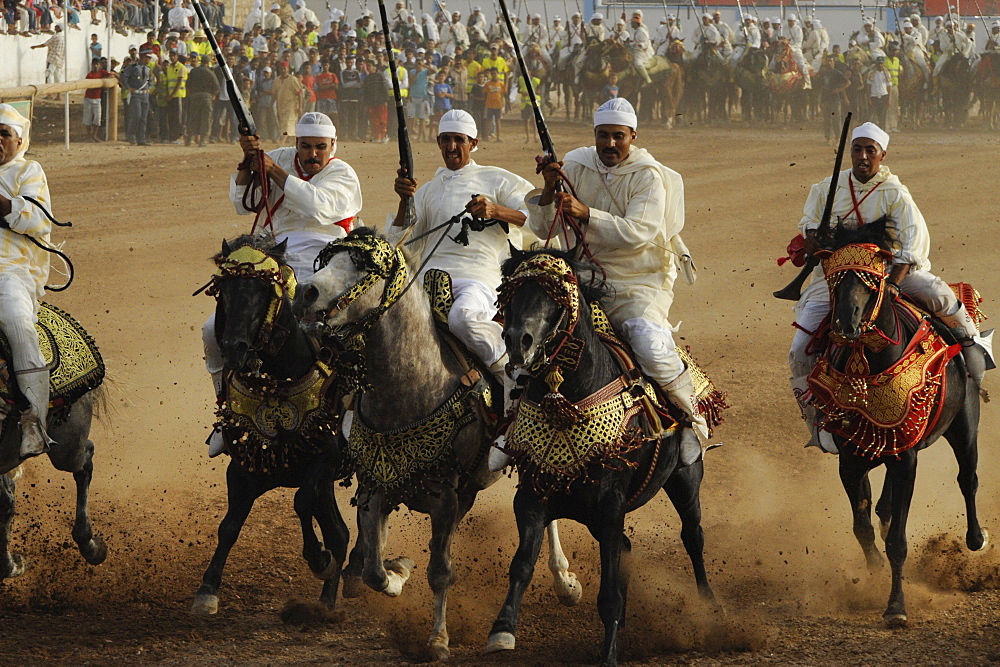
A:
979	10
743	27
402	134
244	118
543	132
793	290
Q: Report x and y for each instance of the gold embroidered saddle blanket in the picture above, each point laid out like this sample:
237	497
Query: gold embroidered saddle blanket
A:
75	363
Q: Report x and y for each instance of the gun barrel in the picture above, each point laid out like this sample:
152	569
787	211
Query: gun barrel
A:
244	119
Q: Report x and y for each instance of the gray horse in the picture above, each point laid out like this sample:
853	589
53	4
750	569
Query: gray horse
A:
73	451
411	372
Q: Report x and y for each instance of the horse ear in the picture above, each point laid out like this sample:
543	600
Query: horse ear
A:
225	247
281	247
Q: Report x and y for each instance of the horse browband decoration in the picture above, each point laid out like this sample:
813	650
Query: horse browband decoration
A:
380	260
870	264
249	262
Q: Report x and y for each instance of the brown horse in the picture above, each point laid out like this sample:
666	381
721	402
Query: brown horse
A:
987	86
785	82
912	91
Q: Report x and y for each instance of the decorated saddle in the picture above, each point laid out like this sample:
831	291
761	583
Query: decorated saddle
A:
75	364
399	461
889	412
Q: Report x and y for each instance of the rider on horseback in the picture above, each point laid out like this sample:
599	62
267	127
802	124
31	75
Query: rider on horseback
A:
865	193
24	269
633	211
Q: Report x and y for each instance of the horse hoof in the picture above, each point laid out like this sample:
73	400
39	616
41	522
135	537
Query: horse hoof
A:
401	566
205	605
353	587
500	641
894	620
96	552
16	568
329	569
986	541
437	648
568	590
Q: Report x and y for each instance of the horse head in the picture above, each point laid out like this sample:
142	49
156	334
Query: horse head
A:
357	279
542	299
253	287
856	271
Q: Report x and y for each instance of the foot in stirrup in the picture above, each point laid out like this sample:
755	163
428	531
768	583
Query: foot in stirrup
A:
34	439
498	459
695	436
216	444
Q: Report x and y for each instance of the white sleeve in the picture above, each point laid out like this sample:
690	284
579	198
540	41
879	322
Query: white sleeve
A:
911	228
328	201
643	219
812	212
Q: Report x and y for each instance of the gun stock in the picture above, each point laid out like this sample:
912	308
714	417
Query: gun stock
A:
244	119
793	290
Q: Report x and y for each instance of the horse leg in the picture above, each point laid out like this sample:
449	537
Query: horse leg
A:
963	436
611	597
11	565
353	585
531	520
335	539
854	476
383	577
243	489
91	546
683	487
440	576
565	583
883	508
903	471
307	507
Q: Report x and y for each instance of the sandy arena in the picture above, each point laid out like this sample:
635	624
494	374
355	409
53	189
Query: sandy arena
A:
780	550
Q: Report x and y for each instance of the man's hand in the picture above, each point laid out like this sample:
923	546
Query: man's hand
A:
481	207
552	175
573	207
404	187
811	243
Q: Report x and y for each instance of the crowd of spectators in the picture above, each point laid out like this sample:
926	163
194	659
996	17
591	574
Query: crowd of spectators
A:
31	17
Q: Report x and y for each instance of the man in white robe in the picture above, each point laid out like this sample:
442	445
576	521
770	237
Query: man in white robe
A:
951	42
632	208
485	192
641	45
314	199
705	35
24	269
877	192
872	39
795	40
748	36
454	35
595	29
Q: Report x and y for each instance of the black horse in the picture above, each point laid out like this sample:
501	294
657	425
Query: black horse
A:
260	340
611	488
855	304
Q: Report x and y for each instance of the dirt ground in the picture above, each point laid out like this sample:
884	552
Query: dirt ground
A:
780	549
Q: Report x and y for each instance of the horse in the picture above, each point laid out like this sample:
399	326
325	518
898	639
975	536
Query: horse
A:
987	85
912	90
750	75
72	452
707	79
546	299
664	92
280	414
955	84
415	411
869	335
785	82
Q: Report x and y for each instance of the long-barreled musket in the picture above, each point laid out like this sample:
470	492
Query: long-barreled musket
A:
402	133
793	290
543	132
743	27
244	119
979	10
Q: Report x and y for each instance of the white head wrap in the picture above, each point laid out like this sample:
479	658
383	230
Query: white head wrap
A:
776	21
315	124
597	16
817	24
11	117
616	111
638	13
458	122
873	132
906	23
793	17
671	17
706	15
868	22
275	6
995	24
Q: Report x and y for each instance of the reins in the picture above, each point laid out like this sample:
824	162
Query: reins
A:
51	249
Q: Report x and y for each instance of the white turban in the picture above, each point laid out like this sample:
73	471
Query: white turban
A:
792	17
706	15
906	23
616	111
597	16
458	122
315	124
19	124
873	132
817	24
275	6
638	13
995	24
868	22
775	20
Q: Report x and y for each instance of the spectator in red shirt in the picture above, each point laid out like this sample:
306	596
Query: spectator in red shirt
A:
92	100
326	92
309	81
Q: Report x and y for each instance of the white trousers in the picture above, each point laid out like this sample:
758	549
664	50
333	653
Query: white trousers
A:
923	286
940	63
471	320
18	314
654	348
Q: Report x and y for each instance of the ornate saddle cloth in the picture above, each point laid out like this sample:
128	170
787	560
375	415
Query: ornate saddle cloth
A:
887	413
271	426
554	445
400	461
75	363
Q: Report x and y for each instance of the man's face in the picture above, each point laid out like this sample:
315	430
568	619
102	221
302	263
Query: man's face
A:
866	158
456	149
613	143
314	152
9	143
173	57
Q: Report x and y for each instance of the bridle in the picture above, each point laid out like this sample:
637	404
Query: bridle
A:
379	260
249	262
869	263
561	348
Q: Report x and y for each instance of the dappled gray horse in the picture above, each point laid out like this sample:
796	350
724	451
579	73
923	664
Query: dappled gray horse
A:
416	437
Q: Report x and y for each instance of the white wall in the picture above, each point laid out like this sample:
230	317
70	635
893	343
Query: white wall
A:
22	66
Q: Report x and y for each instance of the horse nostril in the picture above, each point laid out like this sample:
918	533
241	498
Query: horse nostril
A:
311	294
526	341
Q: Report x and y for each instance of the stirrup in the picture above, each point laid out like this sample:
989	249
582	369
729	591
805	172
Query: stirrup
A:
498	458
216	444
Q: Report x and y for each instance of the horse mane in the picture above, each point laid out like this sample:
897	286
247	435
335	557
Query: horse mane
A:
881	232
593	288
263	242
